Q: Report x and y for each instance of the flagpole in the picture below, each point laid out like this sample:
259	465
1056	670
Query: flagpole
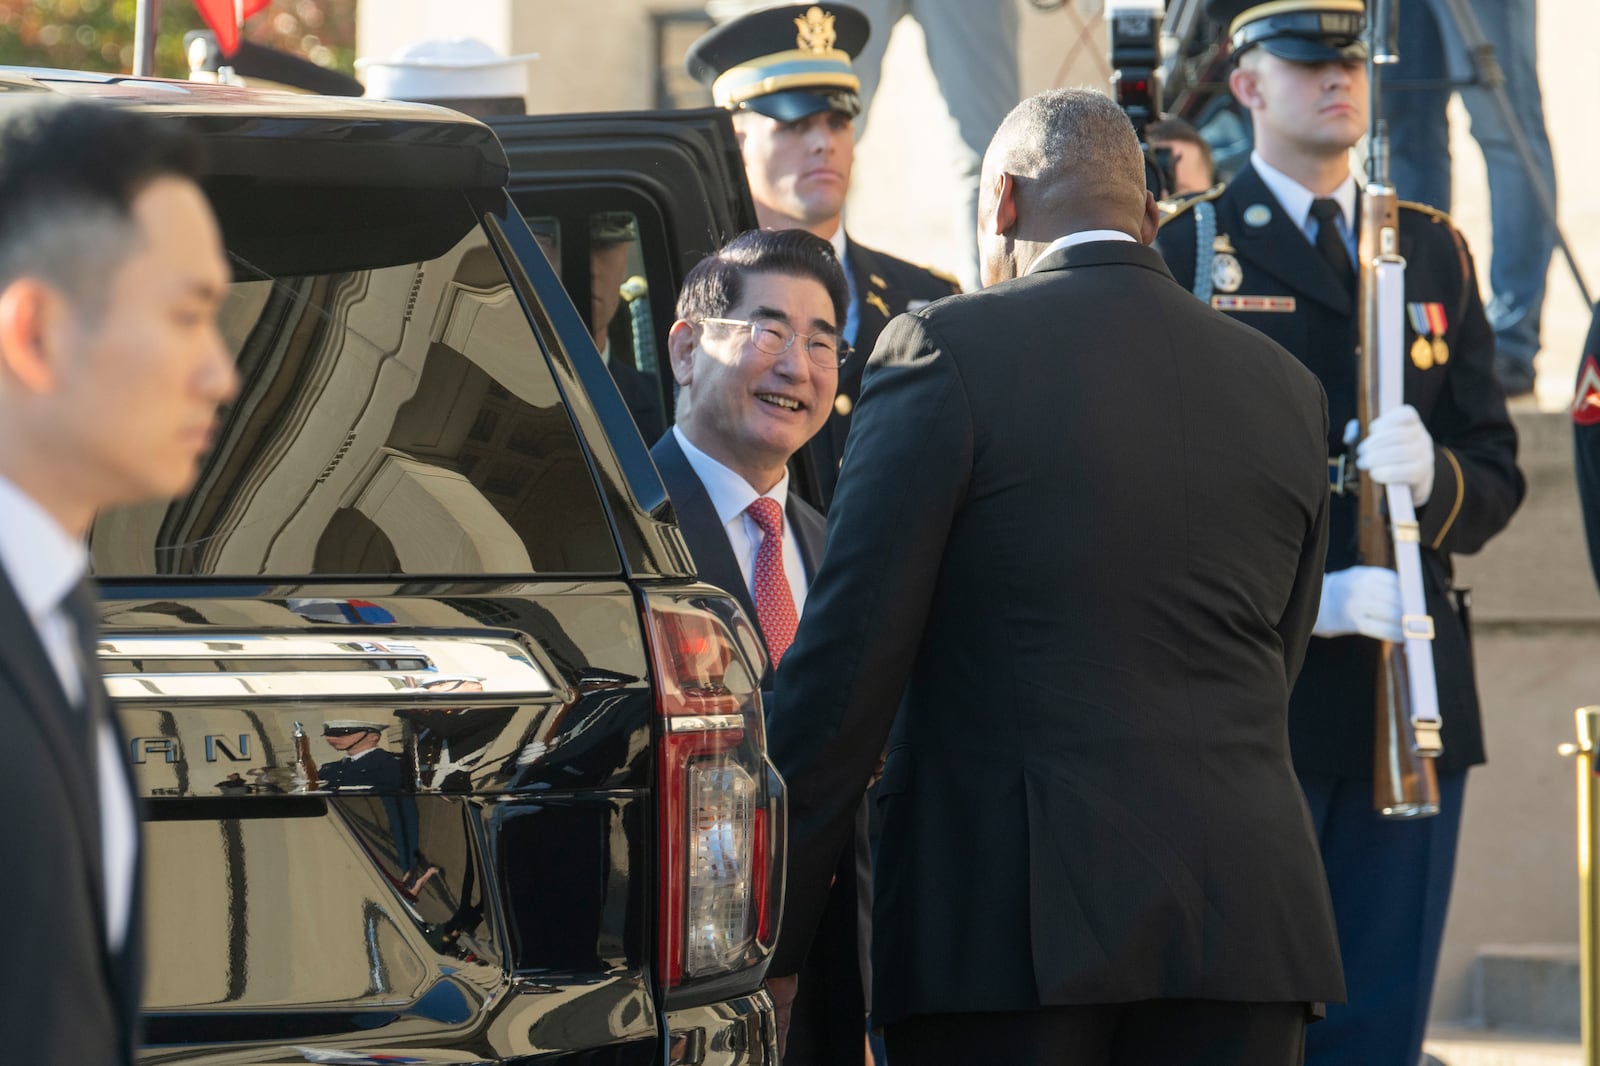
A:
146	16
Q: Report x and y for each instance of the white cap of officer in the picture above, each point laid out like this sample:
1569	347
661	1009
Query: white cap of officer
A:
442	71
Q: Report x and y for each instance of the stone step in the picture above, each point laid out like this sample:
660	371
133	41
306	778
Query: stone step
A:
1531	988
1456	1046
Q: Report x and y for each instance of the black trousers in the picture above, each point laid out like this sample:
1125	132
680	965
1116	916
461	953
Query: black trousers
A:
1157	1032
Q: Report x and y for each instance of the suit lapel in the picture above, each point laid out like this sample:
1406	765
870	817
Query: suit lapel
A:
697	518
810	531
25	664
1279	247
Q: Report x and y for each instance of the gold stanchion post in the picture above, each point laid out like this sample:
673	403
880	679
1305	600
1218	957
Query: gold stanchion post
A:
1588	887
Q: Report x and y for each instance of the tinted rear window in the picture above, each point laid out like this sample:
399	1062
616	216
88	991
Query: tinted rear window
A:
397	420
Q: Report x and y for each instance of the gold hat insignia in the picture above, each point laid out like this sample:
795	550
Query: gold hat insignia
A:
816	32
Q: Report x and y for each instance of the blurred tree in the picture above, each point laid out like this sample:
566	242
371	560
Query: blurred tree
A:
98	34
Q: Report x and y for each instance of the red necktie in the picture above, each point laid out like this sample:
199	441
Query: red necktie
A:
774	598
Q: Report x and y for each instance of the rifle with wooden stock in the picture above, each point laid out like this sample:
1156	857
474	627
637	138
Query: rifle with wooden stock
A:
1405	781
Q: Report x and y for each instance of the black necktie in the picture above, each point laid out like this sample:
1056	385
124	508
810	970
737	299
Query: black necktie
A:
1330	242
79	607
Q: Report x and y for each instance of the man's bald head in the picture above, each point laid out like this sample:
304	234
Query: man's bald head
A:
1063	160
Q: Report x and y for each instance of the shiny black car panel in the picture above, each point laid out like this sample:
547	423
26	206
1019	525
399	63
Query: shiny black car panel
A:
428	519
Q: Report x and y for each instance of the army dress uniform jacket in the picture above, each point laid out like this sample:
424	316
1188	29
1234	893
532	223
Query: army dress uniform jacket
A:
1264	272
884	287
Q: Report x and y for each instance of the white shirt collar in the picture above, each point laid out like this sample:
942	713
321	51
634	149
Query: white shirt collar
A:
1083	236
730	493
42	560
838	241
1295	199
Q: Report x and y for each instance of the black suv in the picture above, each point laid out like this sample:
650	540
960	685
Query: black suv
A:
447	756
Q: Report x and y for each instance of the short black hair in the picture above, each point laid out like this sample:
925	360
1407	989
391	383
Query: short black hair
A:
716	284
70	171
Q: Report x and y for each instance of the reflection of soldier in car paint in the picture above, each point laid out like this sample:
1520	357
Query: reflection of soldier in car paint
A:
365	767
368	768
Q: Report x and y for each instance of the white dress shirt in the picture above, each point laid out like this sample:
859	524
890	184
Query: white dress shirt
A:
730	496
44	563
1296	200
1085	236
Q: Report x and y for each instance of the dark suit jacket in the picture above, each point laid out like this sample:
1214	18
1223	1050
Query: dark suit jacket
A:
67	998
828	1025
885	286
707	540
1075	557
1476	483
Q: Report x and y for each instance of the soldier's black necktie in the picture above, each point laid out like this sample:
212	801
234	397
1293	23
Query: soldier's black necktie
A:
1330	242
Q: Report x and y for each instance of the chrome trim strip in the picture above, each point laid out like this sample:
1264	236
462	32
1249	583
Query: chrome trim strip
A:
452	668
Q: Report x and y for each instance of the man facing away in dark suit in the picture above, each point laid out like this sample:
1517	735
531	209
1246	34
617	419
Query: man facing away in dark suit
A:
1276	250
111	371
785	74
755	352
1074	559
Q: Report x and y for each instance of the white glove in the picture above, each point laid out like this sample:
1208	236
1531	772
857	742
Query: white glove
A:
1399	451
1363	600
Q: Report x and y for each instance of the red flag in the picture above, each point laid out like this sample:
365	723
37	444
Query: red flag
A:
224	16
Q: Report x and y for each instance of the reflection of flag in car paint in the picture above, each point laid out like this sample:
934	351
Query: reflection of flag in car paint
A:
344	612
224	17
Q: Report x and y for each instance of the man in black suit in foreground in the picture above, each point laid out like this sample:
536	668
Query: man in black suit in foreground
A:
756	353
1075	559
111	370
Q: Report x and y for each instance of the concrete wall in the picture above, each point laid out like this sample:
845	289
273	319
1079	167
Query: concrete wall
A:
1536	623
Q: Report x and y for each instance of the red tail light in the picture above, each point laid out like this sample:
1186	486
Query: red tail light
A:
719	813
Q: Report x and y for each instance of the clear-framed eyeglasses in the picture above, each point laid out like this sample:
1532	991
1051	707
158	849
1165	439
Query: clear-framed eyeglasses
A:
773	336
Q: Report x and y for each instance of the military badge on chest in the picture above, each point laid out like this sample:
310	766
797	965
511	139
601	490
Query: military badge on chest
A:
1226	273
1428	322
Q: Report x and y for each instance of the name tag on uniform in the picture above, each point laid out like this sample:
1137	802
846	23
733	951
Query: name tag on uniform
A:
1282	304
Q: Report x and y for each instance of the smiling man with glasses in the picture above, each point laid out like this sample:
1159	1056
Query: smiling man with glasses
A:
756	352
785	73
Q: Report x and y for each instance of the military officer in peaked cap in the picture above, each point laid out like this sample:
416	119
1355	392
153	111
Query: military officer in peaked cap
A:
785	74
1276	249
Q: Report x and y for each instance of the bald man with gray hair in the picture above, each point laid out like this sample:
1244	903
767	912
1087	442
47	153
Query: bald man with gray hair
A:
1074	562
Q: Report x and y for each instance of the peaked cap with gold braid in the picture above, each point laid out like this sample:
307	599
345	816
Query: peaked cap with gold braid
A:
1301	31
784	62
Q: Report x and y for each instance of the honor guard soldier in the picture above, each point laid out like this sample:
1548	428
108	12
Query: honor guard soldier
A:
1276	249
785	74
